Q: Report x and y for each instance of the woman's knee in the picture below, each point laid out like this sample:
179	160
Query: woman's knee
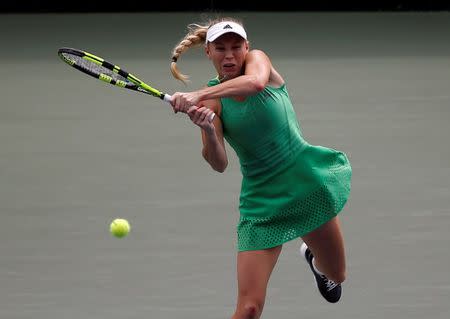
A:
250	309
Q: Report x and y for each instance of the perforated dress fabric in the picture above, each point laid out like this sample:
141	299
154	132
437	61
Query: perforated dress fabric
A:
310	205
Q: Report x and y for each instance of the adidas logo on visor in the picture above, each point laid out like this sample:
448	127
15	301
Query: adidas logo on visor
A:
227	27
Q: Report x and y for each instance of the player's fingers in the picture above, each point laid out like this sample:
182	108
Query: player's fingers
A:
196	116
191	110
173	98
176	102
179	102
209	115
202	113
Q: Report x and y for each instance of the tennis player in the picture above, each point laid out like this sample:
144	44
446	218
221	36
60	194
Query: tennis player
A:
290	189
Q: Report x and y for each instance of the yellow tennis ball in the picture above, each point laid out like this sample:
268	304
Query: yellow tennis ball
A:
119	227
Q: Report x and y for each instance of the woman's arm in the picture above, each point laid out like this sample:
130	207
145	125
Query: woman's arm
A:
212	133
214	147
255	78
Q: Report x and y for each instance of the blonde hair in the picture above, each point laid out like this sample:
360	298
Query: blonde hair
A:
195	37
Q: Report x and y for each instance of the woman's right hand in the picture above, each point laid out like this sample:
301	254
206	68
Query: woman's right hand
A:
182	101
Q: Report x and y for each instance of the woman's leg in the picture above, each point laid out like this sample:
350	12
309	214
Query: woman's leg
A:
327	246
253	272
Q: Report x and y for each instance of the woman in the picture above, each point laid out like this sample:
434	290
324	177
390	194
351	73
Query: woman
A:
290	189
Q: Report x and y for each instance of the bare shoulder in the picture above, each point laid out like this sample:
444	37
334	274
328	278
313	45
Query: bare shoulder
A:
256	53
258	59
212	104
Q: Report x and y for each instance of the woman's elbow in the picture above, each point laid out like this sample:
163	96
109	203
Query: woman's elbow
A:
218	166
221	167
256	84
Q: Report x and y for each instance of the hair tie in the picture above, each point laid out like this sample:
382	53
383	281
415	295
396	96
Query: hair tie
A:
174	59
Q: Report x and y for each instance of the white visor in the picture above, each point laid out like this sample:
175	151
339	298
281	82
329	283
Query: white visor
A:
221	28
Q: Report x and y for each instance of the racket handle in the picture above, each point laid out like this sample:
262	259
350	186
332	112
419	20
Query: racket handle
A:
168	98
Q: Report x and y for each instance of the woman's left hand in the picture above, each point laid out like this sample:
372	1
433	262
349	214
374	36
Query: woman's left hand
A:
201	116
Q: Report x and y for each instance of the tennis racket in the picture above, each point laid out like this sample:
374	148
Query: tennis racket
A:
107	72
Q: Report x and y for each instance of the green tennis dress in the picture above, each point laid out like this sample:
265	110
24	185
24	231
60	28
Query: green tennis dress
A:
289	187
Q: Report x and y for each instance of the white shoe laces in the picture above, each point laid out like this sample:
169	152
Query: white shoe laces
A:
329	283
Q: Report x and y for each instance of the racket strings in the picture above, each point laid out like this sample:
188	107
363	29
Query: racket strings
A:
94	68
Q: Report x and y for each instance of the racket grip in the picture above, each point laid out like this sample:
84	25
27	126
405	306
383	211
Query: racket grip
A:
168	98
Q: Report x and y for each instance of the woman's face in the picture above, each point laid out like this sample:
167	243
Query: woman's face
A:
227	53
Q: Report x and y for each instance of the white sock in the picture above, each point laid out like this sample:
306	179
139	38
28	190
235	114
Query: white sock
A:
315	268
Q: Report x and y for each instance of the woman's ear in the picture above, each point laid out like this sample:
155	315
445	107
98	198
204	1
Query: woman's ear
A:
207	52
